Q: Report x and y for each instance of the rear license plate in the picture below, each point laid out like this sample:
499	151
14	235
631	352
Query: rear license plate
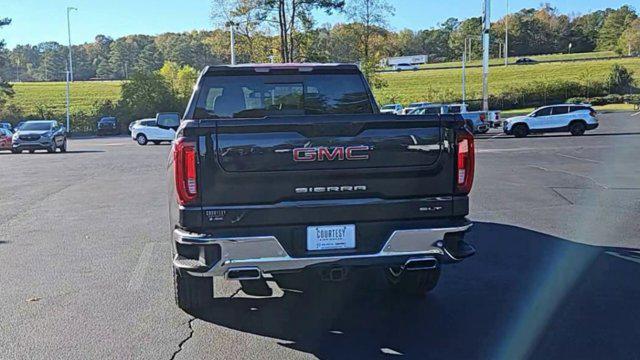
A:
331	237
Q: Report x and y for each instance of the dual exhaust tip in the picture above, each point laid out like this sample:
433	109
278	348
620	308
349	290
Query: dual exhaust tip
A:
254	273
244	273
425	263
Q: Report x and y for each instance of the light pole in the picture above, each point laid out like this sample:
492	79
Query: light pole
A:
232	26
486	25
69	33
464	72
68	114
506	37
69	68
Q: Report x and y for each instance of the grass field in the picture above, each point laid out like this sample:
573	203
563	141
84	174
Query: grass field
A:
445	84
403	87
29	96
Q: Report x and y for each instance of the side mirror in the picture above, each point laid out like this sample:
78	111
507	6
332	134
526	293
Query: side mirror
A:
168	121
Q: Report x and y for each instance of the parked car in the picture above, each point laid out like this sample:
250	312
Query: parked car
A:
361	189
403	67
413	106
145	130
431	109
6	125
573	118
108	126
477	121
5	138
39	135
526	61
391	109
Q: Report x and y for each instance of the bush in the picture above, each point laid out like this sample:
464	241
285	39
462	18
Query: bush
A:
145	95
620	79
576	100
606	100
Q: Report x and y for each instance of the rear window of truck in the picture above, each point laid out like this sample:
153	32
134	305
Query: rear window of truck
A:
250	96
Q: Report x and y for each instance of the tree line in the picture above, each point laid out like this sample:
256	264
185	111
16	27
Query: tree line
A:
285	30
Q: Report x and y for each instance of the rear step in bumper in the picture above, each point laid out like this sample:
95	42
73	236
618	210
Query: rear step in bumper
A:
247	257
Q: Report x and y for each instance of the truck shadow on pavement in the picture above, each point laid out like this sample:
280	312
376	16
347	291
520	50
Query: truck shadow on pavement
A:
524	294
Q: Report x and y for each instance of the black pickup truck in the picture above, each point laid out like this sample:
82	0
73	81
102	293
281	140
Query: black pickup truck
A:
278	169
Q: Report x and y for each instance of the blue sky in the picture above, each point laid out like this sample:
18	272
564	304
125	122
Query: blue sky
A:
36	21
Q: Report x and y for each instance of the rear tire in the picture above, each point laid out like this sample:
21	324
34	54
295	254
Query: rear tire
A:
156	142
520	130
191	292
16	151
141	139
31	151
414	282
577	128
63	147
52	149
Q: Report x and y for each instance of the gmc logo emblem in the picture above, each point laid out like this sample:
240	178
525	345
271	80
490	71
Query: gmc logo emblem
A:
323	153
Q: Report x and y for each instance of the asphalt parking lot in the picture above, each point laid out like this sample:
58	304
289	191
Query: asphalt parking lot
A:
85	264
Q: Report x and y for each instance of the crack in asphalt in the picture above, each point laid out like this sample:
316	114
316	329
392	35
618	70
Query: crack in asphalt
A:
562	196
191	331
569	173
189	336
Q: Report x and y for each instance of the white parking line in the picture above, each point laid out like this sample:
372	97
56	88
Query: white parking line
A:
539	149
580	158
638	113
137	277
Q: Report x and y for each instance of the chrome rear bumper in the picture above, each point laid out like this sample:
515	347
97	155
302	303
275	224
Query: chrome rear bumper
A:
266	253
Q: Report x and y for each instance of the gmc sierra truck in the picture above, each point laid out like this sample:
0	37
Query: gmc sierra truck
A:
291	168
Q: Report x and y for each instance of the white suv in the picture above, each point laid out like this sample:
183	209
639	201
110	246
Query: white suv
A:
145	130
573	118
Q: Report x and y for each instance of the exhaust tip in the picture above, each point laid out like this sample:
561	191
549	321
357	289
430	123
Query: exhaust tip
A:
427	263
245	273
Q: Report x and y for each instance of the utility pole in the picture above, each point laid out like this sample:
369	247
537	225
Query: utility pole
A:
464	73
506	37
232	26
68	111
69	33
486	25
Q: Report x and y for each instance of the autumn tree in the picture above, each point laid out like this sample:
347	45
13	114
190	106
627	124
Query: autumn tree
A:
5	87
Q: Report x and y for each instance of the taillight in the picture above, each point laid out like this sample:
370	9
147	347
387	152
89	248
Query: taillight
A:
466	162
184	157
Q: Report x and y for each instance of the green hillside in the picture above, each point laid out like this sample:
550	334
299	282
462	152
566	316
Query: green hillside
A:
404	87
29	96
445	84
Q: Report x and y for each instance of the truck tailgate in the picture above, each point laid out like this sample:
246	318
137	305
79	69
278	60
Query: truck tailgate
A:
284	169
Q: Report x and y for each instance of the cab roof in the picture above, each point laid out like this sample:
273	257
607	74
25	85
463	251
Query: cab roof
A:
280	68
